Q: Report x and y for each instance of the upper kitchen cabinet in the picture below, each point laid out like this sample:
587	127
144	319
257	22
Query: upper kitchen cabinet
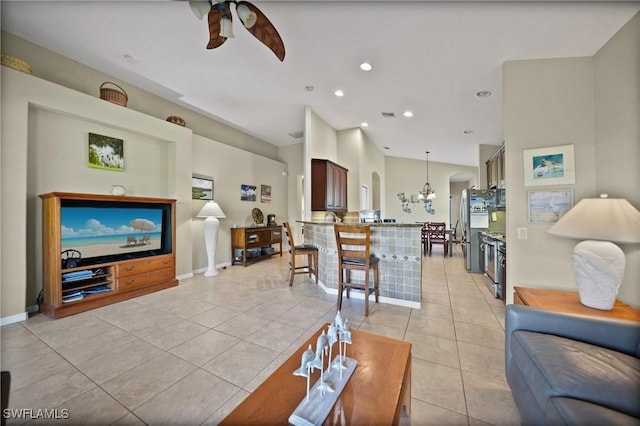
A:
495	170
328	186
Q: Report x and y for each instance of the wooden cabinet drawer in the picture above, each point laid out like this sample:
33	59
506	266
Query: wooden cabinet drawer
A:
145	278
133	267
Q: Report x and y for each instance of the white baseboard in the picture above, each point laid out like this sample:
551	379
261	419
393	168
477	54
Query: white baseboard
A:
13	318
382	299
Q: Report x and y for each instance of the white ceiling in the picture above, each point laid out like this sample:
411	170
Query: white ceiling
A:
428	57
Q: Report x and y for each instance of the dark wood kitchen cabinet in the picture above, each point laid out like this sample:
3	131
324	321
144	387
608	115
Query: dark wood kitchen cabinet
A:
328	186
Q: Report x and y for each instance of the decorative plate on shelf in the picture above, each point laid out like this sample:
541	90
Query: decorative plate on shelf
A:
257	216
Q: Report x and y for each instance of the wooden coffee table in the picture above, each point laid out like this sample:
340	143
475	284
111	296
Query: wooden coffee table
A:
375	394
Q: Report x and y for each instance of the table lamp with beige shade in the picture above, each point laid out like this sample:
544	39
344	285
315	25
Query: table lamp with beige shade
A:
598	264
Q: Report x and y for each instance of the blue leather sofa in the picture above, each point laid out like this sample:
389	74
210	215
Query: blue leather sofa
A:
568	369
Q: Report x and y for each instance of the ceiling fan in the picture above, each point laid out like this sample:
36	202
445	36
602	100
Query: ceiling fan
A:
220	20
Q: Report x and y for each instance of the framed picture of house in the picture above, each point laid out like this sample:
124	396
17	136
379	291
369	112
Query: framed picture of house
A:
201	188
549	166
265	193
547	207
106	153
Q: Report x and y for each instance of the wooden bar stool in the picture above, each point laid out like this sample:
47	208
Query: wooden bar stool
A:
354	253
302	250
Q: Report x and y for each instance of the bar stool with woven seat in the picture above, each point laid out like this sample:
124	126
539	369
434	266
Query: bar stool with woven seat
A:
301	250
354	253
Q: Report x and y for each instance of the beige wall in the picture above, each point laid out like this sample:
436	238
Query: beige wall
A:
617	135
230	167
44	148
554	102
409	176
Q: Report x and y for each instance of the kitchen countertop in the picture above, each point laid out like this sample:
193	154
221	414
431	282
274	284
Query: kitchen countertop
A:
495	235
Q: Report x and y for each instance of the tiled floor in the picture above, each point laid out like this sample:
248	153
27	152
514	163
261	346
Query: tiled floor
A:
188	355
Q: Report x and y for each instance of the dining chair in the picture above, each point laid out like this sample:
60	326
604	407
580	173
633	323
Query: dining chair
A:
354	253
453	238
437	234
425	238
311	252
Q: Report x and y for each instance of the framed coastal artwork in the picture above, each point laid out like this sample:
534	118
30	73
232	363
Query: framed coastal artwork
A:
201	188
547	207
265	193
106	153
553	165
248	192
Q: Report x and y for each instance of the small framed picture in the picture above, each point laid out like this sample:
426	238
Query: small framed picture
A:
106	153
201	188
547	207
265	193
247	192
549	166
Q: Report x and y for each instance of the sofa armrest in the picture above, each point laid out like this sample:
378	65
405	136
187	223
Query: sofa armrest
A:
619	335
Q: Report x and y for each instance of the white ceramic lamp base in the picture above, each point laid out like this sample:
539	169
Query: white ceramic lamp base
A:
598	267
211	225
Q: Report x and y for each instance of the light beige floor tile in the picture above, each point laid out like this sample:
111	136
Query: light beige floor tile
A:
388	317
100	342
242	325
423	413
482	360
170	334
432	326
227	408
201	391
141	383
276	335
270	310
484	317
35	368
440	298
490	400
118	359
241	363
438	385
480	335
52	391
382	330
434	310
129	420
94	407
214	316
436	349
204	347
302	317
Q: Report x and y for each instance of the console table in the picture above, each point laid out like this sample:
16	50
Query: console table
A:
569	301
375	394
254	243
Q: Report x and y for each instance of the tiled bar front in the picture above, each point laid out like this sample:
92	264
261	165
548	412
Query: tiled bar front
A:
397	245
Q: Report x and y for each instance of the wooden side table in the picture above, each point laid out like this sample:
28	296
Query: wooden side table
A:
569	301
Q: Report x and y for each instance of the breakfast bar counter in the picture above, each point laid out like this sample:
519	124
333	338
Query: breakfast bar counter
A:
399	247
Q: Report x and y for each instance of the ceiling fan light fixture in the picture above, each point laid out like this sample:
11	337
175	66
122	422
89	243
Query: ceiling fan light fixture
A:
247	17
200	8
226	28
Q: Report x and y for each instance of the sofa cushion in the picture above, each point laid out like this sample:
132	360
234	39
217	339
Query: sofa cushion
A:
555	366
569	411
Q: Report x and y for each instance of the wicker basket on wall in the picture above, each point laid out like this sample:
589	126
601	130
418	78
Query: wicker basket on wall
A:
176	120
16	63
114	95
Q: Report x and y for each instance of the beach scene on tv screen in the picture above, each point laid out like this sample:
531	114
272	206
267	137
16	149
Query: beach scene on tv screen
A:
95	231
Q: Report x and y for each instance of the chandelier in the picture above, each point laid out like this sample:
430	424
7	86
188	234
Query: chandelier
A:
427	193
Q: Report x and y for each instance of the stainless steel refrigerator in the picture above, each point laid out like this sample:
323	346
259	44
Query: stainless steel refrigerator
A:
474	218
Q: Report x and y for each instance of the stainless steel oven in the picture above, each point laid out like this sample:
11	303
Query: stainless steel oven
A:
501	286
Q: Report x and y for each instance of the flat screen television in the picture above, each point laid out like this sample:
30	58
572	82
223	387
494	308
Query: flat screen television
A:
110	231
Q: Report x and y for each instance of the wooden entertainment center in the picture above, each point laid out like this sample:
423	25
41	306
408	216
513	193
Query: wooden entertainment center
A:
100	283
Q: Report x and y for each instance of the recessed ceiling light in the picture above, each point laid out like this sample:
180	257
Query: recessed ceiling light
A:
386	147
364	124
483	94
130	58
366	66
468	132
408	114
339	93
309	88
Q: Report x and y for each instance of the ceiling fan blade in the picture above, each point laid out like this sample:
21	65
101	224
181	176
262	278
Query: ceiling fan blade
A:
215	15
264	31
